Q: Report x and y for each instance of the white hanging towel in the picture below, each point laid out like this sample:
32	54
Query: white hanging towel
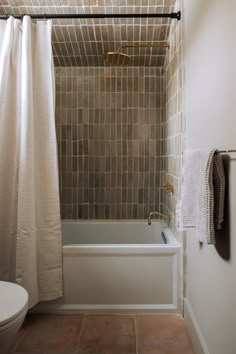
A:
202	194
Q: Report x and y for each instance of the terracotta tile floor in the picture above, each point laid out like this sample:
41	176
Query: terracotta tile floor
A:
103	334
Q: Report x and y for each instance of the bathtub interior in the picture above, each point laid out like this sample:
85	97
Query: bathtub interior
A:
113	232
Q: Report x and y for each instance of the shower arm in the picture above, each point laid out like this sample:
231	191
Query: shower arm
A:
143	46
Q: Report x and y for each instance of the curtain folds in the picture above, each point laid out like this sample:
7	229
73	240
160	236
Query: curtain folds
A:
30	236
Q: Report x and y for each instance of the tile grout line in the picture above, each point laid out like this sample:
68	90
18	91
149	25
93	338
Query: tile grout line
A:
82	327
136	333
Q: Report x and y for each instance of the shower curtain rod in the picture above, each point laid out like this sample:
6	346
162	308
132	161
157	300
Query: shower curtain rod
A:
175	15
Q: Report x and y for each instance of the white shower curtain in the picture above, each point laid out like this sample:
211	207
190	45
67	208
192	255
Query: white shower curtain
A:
30	228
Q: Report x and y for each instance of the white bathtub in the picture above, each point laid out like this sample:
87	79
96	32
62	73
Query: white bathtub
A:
119	266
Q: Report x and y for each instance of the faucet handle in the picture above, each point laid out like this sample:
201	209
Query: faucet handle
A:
169	188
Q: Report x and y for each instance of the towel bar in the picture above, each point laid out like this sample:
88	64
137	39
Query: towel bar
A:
225	151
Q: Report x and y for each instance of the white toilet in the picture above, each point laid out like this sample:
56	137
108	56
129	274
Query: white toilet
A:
13	308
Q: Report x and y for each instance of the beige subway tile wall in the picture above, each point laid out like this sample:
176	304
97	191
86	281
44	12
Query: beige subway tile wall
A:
109	141
173	118
116	147
83	42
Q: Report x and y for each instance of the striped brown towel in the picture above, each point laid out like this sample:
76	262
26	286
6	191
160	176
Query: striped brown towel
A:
219	190
202	194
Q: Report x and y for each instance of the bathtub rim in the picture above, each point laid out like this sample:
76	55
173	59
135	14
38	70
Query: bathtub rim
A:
172	245
113	221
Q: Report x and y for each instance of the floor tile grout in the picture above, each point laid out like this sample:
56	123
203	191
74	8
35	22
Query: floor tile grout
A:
81	330
141	328
136	333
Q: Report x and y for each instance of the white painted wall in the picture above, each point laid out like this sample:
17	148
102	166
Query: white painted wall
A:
210	59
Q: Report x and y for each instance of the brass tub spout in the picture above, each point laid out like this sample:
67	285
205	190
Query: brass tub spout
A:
155	213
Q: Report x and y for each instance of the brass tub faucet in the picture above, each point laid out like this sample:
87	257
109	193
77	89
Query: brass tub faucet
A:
156	213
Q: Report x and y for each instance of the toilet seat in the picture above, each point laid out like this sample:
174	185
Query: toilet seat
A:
13	303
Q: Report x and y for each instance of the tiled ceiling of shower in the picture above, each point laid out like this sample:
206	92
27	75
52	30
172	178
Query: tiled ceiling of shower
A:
83	42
